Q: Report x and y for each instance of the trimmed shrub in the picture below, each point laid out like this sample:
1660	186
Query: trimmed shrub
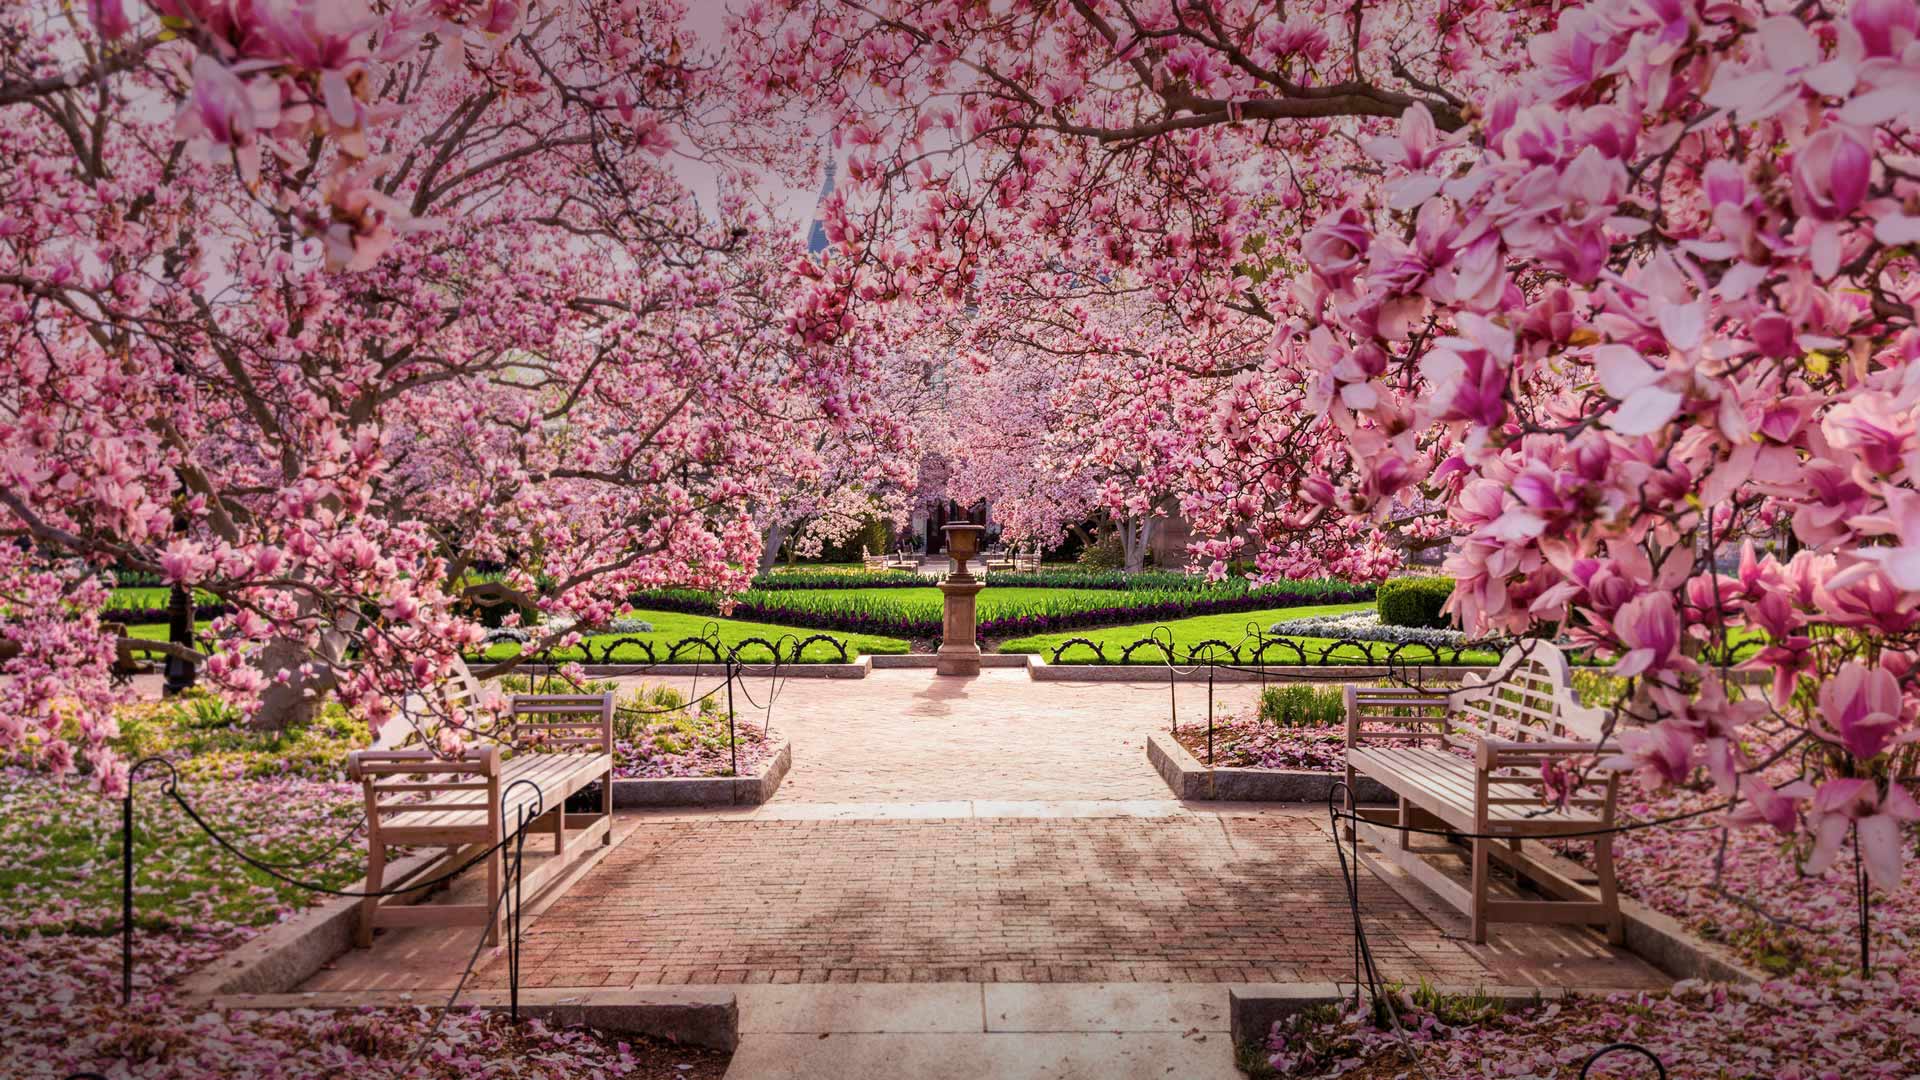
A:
1103	555
1414	601
1301	705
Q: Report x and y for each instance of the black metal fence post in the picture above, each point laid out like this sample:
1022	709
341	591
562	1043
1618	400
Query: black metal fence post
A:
733	744
126	896
181	673
1210	670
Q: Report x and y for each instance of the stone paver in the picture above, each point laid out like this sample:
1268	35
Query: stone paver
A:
911	736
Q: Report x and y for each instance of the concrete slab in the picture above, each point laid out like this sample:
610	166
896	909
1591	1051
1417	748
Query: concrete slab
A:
1107	1007
1054	1056
802	1009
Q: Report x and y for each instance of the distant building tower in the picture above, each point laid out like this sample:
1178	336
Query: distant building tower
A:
817	233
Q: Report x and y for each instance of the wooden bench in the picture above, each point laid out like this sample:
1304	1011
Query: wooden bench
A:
559	744
903	561
872	562
1471	761
1026	563
1000	561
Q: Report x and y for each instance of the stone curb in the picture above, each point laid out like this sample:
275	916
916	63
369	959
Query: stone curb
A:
289	953
700	1017
1040	670
1194	782
891	661
856	669
706	790
1254	1008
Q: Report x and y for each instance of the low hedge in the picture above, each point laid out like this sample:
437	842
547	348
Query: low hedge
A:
1414	601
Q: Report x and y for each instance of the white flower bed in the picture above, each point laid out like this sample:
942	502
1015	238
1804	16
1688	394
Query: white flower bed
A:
560	623
1366	626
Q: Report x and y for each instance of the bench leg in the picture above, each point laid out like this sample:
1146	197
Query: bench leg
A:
1353	803
1478	915
1406	820
496	872
376	877
1609	889
606	808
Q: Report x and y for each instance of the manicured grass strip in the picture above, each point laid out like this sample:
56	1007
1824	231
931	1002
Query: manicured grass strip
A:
1230	628
60	852
670	627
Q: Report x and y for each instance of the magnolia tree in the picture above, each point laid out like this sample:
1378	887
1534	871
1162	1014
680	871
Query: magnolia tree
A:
1610	290
866	453
312	305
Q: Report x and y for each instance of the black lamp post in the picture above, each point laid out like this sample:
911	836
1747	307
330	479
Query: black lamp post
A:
181	672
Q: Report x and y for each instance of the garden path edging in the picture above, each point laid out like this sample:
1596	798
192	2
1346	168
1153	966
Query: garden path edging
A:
288	953
694	1016
1253	1008
1194	782
631	792
855	669
1040	670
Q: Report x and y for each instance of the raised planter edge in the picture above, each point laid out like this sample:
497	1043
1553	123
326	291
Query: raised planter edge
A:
1194	782
654	792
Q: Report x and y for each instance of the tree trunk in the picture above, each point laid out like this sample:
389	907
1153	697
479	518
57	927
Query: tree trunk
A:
297	701
1133	544
770	540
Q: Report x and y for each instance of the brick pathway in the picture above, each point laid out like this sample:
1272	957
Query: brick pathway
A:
1170	899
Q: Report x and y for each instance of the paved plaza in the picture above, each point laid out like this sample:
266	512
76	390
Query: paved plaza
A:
990	830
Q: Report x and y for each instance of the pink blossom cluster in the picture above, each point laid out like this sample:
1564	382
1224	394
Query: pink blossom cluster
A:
1597	295
324	309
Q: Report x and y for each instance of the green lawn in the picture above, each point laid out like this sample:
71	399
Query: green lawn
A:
1231	628
670	627
152	596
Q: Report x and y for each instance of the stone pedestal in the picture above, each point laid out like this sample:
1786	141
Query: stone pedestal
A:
959	649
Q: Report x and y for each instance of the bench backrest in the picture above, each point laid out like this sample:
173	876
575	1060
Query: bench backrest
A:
1527	697
458	697
570	723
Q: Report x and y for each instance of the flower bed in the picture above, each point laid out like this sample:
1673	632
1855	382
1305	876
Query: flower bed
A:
685	741
658	733
1799	1029
1247	743
194	903
67	1018
1366	626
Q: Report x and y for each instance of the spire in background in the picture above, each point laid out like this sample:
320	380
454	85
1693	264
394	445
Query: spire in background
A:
817	232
